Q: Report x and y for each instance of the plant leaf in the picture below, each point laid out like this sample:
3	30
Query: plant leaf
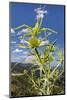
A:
44	43
34	43
21	26
22	46
48	29
27	34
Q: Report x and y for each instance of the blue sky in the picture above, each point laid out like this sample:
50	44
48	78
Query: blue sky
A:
21	13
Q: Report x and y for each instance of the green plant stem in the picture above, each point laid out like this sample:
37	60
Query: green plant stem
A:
49	65
40	23
37	53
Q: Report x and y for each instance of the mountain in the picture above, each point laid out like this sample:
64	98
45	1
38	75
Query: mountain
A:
19	67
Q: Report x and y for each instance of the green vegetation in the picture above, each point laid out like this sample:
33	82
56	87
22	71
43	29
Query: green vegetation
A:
42	78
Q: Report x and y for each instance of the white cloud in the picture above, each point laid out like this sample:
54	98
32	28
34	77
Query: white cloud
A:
30	59
17	51
22	41
26	30
12	30
18	57
13	42
25	52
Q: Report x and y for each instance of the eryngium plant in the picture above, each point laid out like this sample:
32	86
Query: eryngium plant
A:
44	82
